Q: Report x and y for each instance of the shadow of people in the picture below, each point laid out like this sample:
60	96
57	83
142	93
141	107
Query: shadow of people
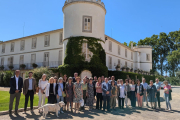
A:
18	117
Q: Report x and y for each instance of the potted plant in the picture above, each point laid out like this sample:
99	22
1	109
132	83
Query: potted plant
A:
136	71
127	69
123	68
22	66
11	67
2	67
131	69
34	65
118	67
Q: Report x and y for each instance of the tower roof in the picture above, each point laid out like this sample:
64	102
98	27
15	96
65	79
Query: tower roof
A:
92	1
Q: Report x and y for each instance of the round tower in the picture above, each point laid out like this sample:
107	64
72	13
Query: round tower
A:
83	18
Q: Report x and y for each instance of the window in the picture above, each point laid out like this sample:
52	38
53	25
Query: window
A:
60	38
12	47
21	61
131	65
125	52
22	45
119	62
131	55
85	51
47	40
34	41
60	57
2	61
110	62
125	64
10	61
110	46
3	48
119	51
148	57
46	59
33	58
87	24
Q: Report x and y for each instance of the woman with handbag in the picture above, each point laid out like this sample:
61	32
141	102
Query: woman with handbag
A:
64	86
99	94
139	90
50	91
59	92
42	89
167	91
78	93
69	93
90	94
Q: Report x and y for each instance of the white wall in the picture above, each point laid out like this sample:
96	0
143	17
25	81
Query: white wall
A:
53	49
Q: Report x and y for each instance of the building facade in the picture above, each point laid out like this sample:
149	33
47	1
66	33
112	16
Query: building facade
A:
81	18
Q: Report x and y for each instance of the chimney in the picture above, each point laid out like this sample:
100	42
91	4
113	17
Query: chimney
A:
131	45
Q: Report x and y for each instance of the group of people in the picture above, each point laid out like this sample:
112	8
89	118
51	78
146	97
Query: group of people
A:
102	90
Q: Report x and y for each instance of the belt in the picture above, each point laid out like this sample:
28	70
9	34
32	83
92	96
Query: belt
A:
51	93
30	90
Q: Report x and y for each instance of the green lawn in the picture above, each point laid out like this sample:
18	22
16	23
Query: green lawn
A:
4	101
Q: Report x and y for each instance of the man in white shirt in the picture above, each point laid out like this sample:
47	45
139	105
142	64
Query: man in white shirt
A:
16	84
145	86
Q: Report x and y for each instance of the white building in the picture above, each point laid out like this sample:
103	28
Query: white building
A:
81	18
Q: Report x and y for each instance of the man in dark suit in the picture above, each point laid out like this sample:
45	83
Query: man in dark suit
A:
29	89
106	93
74	78
16	84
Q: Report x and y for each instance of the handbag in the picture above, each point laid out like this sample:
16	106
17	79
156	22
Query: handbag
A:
37	89
82	102
63	94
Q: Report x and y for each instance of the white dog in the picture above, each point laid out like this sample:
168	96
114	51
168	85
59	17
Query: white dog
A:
51	108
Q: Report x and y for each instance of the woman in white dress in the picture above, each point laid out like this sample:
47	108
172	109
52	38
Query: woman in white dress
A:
42	90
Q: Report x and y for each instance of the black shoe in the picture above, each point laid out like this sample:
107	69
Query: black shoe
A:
122	107
103	110
16	113
10	112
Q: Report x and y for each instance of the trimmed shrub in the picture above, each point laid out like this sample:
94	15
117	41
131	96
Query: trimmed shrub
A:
1	79
123	75
6	77
38	72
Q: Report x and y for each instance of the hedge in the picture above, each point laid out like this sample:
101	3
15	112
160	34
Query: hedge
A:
123	75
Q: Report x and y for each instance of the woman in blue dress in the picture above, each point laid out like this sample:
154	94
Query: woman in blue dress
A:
151	92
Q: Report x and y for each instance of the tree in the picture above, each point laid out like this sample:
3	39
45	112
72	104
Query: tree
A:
173	59
134	44
125	43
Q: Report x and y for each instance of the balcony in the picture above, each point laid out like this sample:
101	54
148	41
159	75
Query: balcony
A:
50	64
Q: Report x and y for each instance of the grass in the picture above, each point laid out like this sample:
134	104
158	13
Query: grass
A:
5	97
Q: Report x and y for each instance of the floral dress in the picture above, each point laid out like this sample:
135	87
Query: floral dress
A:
69	89
90	96
78	92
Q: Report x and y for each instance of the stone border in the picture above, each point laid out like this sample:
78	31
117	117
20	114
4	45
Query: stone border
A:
19	110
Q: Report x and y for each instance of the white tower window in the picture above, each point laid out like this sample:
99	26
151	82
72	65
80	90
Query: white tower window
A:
86	52
61	38
46	40
147	57
87	24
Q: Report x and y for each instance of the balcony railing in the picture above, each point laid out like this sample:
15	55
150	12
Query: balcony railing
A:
50	64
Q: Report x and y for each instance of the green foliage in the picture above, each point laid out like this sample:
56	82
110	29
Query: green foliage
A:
1	78
6	78
125	43
123	75
178	74
75	59
134	44
173	59
38	72
173	80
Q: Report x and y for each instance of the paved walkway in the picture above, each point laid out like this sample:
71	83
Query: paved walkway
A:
127	113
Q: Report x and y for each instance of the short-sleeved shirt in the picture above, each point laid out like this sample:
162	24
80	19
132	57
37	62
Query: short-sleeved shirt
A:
167	88
132	87
158	85
145	85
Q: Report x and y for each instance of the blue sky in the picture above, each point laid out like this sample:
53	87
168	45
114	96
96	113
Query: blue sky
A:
129	20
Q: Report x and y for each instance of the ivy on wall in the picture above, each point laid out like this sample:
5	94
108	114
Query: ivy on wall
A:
75	61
